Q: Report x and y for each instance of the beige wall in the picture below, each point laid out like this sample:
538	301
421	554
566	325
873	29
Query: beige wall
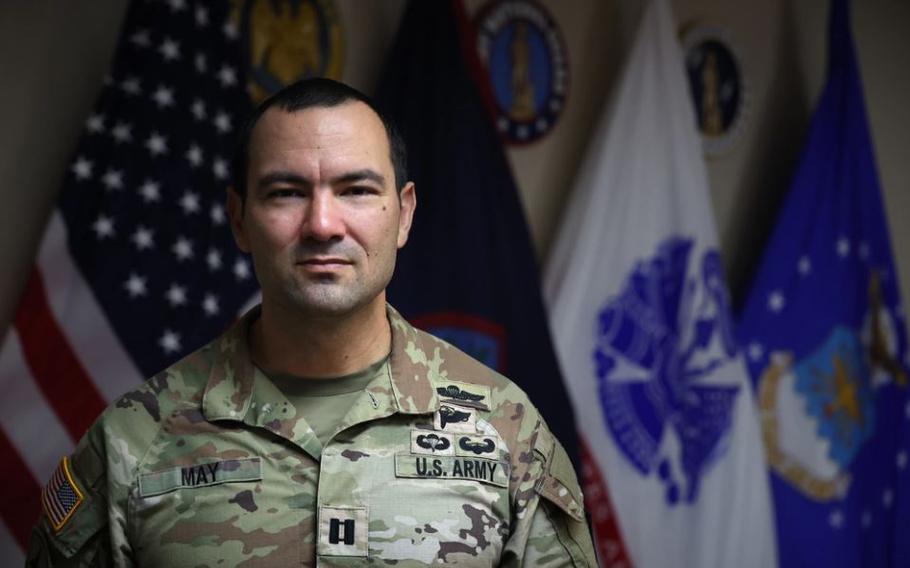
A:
53	55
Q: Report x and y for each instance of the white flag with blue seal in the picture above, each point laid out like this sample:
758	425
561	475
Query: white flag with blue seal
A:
640	315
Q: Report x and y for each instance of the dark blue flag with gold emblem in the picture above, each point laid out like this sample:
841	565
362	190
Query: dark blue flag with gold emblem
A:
468	272
826	341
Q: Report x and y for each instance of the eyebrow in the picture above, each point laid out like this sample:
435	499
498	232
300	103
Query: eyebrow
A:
365	174
282	176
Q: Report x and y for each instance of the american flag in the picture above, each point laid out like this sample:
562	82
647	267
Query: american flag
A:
61	497
137	266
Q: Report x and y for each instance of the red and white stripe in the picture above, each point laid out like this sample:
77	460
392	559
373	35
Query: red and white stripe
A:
60	366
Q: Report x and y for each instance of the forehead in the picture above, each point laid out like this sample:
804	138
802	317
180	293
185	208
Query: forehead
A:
351	129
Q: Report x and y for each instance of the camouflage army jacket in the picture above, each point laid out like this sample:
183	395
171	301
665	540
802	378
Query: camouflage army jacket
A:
442	461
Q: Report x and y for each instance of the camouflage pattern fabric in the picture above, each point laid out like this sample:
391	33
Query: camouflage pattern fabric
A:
440	461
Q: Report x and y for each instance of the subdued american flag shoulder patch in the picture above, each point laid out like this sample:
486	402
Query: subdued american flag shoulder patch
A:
61	496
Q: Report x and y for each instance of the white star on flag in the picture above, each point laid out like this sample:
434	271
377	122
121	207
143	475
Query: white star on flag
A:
176	295
177	5
202	17
141	38
220	168
156	144
199	63
887	498
170	341
776	301
213	259
95	123
131	86
183	249
843	246
836	519
756	351
189	202
163	96
230	30
217	214
150	191
223	122
112	179
241	269
210	304
194	155
103	227
901	459
169	49
227	76
121	132
198	109
82	168
143	238
135	285
804	266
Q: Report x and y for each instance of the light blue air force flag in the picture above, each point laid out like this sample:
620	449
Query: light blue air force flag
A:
826	345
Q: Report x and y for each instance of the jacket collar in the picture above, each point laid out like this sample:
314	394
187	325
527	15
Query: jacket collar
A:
234	390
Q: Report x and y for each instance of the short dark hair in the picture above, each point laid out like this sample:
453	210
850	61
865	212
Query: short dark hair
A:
316	92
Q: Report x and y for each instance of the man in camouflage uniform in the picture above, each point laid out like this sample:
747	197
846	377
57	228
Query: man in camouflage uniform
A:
222	461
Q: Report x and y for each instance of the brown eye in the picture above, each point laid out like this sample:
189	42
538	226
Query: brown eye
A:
357	190
283	193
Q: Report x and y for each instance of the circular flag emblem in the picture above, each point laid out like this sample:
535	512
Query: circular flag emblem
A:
718	90
527	63
287	40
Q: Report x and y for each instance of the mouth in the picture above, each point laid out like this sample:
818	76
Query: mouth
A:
324	263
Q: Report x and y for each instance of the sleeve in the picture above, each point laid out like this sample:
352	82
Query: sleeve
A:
549	528
72	529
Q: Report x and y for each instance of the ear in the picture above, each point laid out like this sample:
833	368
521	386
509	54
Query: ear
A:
235	213
408	200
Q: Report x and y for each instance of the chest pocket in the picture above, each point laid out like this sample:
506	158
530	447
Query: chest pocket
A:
436	496
219	513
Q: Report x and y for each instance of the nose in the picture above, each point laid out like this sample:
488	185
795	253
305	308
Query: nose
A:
324	219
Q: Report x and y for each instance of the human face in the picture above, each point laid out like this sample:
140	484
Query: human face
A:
322	218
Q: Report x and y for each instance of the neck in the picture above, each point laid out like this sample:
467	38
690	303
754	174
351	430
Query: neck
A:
320	346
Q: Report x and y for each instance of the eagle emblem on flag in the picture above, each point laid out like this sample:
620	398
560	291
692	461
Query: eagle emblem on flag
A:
661	346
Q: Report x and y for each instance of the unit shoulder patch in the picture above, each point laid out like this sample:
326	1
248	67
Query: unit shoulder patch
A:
61	496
